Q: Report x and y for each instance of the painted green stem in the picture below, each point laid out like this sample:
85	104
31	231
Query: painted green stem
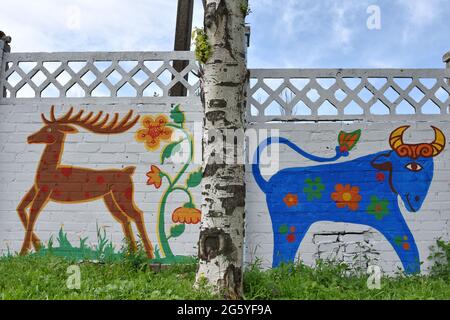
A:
162	236
185	189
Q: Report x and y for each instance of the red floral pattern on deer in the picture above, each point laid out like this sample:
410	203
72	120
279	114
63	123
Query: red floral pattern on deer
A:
70	184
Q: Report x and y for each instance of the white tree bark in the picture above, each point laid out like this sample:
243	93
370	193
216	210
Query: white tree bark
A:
224	83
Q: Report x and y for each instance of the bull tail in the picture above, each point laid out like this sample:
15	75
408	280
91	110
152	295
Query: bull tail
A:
262	183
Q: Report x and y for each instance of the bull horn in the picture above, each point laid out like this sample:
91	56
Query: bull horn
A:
396	138
439	141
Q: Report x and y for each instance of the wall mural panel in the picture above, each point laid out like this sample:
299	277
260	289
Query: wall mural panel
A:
155	200
155	132
68	184
360	191
71	184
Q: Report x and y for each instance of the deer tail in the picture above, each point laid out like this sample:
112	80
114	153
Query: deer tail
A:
129	170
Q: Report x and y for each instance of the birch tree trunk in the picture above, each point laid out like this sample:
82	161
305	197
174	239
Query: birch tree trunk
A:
224	83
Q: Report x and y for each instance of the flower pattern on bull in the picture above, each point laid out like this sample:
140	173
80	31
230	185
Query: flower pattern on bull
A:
288	231
403	242
291	200
378	207
346	196
314	188
392	175
154	130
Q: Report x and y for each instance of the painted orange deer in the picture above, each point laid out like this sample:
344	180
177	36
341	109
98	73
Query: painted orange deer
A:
69	184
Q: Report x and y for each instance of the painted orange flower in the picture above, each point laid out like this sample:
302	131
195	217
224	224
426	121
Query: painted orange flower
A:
154	130
154	177
291	200
186	215
346	196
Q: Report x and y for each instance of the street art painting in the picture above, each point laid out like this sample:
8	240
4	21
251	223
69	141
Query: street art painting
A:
361	191
155	132
70	184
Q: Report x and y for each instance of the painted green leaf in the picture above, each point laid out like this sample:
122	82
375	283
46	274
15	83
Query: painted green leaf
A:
177	115
194	179
283	229
170	150
176	149
398	240
188	205
177	230
348	140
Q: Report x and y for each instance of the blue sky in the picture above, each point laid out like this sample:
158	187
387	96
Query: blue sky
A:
288	33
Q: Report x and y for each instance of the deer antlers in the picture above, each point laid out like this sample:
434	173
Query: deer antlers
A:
93	124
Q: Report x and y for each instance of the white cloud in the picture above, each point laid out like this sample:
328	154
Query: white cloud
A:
422	12
342	33
345	22
113	25
419	14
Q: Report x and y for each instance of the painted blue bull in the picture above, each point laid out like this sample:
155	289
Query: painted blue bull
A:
363	191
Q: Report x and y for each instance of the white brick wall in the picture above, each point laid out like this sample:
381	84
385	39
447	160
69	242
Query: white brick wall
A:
19	161
430	223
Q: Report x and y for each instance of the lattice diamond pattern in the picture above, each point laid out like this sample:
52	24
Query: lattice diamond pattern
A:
342	92
87	72
150	74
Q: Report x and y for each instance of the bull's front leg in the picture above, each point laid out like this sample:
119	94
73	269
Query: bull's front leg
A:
397	232
287	236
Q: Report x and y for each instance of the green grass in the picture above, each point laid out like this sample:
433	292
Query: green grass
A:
43	276
104	251
327	281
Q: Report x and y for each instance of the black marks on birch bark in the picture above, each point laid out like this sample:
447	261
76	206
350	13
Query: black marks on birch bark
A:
232	279
212	168
216	116
215	15
210	15
214	242
218	103
229	84
230	203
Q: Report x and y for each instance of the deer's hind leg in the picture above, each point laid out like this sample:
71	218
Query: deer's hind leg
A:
122	218
38	204
125	202
21	210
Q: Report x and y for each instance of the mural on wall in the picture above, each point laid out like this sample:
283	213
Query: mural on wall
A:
362	191
70	184
156	131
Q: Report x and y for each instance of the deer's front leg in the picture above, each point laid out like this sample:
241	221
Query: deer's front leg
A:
38	203
23	205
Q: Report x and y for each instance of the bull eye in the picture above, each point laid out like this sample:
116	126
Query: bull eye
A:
413	166
49	129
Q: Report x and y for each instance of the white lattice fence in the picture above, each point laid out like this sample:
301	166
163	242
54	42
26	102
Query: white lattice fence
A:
274	94
94	75
290	94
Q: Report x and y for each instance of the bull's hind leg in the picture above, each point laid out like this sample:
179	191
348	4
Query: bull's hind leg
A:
287	237
122	218
397	232
126	204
